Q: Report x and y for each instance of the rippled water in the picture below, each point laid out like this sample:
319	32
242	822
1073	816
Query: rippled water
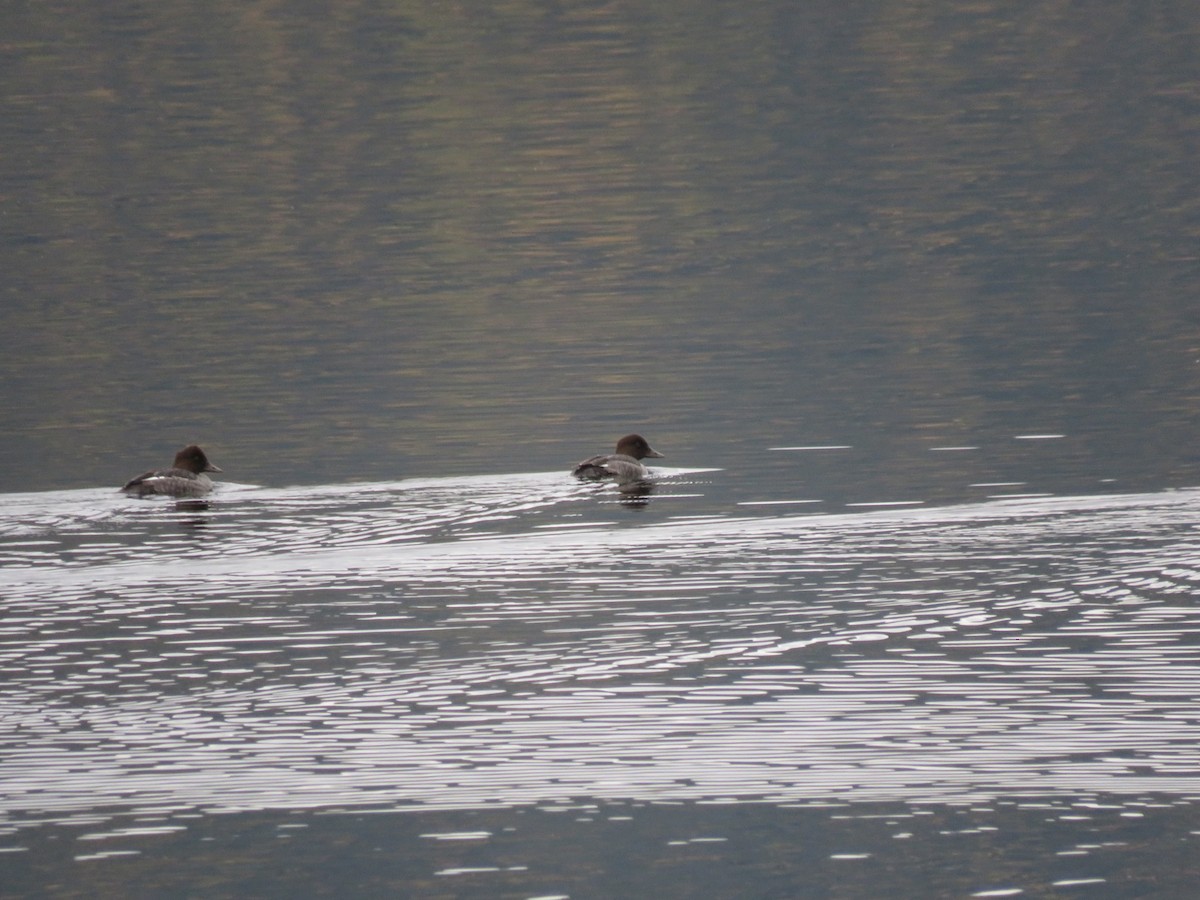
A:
919	280
478	643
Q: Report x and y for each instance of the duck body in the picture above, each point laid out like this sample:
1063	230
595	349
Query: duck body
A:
624	466
186	478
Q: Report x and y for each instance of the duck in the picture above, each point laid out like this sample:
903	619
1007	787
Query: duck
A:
185	478
624	466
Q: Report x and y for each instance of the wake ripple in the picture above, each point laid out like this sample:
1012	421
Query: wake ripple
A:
456	643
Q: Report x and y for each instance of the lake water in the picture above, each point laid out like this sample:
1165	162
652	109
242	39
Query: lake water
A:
906	295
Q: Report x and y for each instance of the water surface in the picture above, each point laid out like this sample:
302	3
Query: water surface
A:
535	645
905	294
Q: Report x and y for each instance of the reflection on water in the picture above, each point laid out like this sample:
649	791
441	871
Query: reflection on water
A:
425	240
902	272
463	644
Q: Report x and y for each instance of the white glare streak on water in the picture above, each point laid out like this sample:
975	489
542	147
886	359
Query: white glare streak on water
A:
449	643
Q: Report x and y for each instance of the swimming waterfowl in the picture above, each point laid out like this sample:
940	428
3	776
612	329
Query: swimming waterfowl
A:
624	466
186	478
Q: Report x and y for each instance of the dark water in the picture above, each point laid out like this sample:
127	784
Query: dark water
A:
906	294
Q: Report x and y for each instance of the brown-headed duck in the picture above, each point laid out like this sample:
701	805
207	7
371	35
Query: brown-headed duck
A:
624	466
185	478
